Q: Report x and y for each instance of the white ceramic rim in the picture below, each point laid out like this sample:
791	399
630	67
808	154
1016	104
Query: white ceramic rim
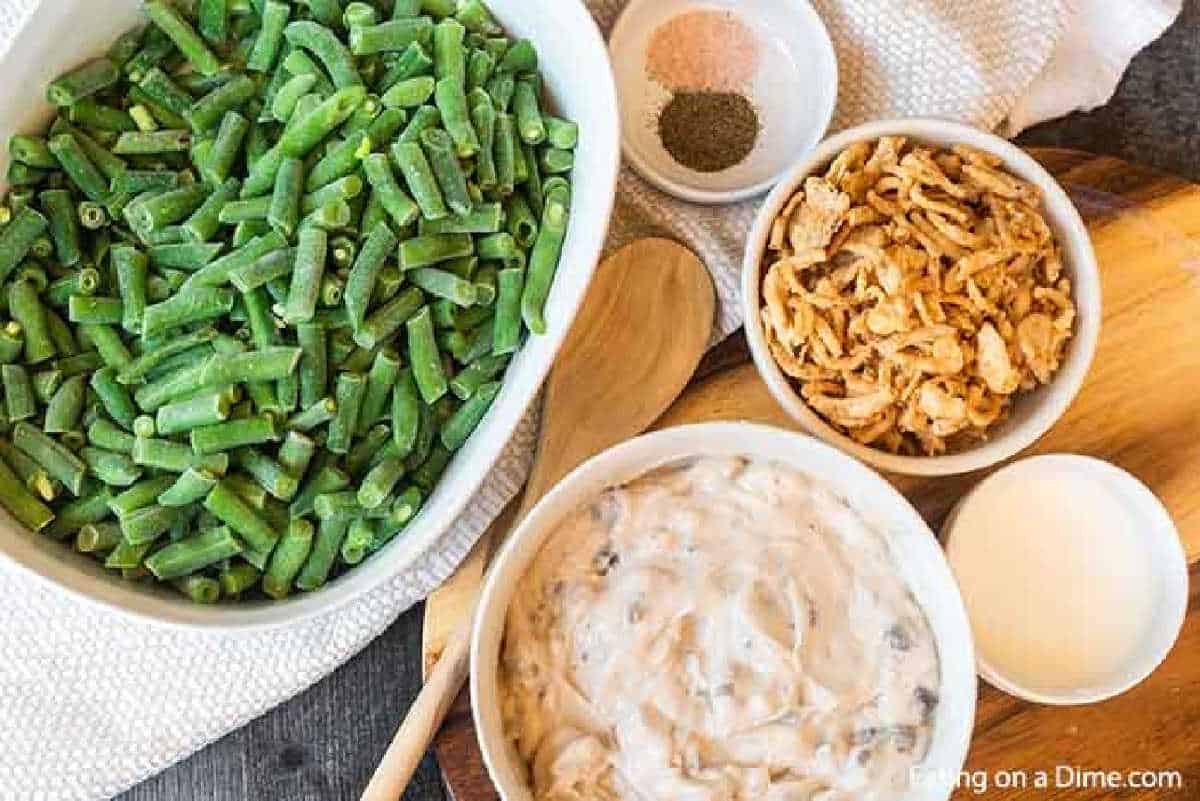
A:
83	579
635	457
1079	260
811	19
1161	527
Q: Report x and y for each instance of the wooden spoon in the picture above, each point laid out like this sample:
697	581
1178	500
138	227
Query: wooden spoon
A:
636	341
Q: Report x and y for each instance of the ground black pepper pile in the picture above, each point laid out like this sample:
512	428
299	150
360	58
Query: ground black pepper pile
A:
708	131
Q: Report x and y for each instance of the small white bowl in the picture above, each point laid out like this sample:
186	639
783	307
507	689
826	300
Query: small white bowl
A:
794	93
918	558
1033	414
1168	566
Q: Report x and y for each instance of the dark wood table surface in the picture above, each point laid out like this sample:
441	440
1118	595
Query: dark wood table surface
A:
323	744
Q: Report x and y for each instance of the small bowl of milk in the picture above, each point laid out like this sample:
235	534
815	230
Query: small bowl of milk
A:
1073	576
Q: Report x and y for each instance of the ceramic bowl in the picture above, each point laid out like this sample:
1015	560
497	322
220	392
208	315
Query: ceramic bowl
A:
1033	414
574	63
917	555
1165	557
794	93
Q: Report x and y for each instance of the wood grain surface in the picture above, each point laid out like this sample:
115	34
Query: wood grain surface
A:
1139	408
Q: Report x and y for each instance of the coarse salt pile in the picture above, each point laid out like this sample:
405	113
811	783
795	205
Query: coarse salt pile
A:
704	49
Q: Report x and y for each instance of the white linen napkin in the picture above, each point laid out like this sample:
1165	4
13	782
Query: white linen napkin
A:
91	702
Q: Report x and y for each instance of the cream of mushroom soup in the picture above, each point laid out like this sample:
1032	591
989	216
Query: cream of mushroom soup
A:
717	629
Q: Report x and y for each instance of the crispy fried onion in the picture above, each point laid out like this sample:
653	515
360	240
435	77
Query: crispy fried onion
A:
913	293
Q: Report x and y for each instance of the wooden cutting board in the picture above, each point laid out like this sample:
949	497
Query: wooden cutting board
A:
1140	409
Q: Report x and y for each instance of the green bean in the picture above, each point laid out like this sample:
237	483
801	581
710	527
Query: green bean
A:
424	357
139	496
438	146
11	342
480	65
98	537
33	475
213	20
296	453
162	90
399	205
127	556
380	482
360	284
21	503
422	251
543	261
451	100
345	188
111	468
522	225
393	35
306	277
343	506
142	118
189	306
46	383
358	539
217	272
485	218
283	105
324	44
199	589
321	557
236	211
84	80
275	16
226	148
32	151
193	554
424	118
233	434
27	309
224	503
81	363
458	428
387	319
501	87
126	46
507	326
350	389
298	62
205	221
476	374
147	524
268	473
150	143
172	206
66	406
207	112
443	284
94	116
409	93
483	118
79	167
152	359
288	558
183	35
57	460
419	176
175	457
560	133
188	256
137	181
191	487
475	16
403	9
505	151
449	52
367	449
414	61
556	161
64	228
528	113
284	211
385	370
359	14
205	409
95	309
324	480
520	58
104	434
268	364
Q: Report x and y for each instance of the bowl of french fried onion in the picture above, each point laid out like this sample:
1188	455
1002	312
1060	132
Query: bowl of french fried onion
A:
923	295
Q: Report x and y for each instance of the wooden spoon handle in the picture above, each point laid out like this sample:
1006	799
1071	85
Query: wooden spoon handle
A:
423	720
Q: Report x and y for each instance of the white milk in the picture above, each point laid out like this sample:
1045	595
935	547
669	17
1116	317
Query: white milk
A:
1056	577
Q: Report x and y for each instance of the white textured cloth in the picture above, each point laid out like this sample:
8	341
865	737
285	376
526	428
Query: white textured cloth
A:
91	703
